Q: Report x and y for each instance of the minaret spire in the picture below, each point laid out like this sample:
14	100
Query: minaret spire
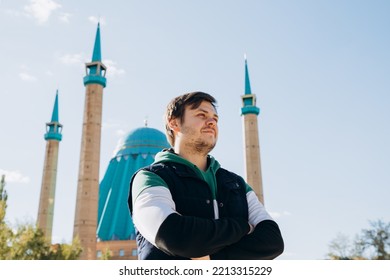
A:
247	81
97	54
251	138
46	203
54	115
54	127
249	99
85	223
96	70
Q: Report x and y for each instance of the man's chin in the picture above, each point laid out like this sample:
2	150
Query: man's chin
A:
205	147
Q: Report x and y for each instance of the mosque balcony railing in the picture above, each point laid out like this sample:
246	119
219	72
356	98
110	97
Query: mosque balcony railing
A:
95	79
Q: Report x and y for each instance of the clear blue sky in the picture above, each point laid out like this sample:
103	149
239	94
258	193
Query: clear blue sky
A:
320	70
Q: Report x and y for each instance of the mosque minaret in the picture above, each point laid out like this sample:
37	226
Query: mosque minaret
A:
251	138
53	138
85	222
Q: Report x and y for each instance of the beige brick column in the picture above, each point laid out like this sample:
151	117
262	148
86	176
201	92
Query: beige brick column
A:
48	188
252	155
88	181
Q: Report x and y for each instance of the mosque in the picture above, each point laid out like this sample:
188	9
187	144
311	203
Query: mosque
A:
102	221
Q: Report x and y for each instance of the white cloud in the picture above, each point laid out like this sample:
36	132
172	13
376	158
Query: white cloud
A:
79	59
112	68
27	77
120	132
64	17
14	176
71	59
110	124
95	20
277	215
41	9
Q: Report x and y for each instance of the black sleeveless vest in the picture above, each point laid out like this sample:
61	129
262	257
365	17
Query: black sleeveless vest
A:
193	197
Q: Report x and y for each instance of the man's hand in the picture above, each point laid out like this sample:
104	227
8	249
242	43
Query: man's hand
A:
251	228
201	258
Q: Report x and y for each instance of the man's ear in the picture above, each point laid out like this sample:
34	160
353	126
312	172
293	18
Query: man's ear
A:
174	125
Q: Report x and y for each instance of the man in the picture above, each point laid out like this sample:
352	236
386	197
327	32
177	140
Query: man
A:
185	206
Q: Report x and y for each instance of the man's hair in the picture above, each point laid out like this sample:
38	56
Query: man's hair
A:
177	106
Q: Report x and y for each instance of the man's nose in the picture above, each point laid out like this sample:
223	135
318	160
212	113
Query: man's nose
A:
211	121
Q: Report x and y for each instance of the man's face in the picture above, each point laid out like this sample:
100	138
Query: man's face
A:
199	129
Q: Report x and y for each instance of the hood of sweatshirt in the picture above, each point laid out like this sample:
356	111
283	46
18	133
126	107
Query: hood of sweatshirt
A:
208	175
170	155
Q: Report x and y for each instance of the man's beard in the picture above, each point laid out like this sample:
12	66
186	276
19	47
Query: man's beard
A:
198	146
202	147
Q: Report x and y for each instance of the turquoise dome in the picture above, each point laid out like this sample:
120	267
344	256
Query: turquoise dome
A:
134	151
141	140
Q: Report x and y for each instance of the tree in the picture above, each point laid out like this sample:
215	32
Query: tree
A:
28	242
3	199
66	251
340	247
376	241
106	254
372	243
5	231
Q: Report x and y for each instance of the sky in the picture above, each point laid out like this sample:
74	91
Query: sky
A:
320	71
